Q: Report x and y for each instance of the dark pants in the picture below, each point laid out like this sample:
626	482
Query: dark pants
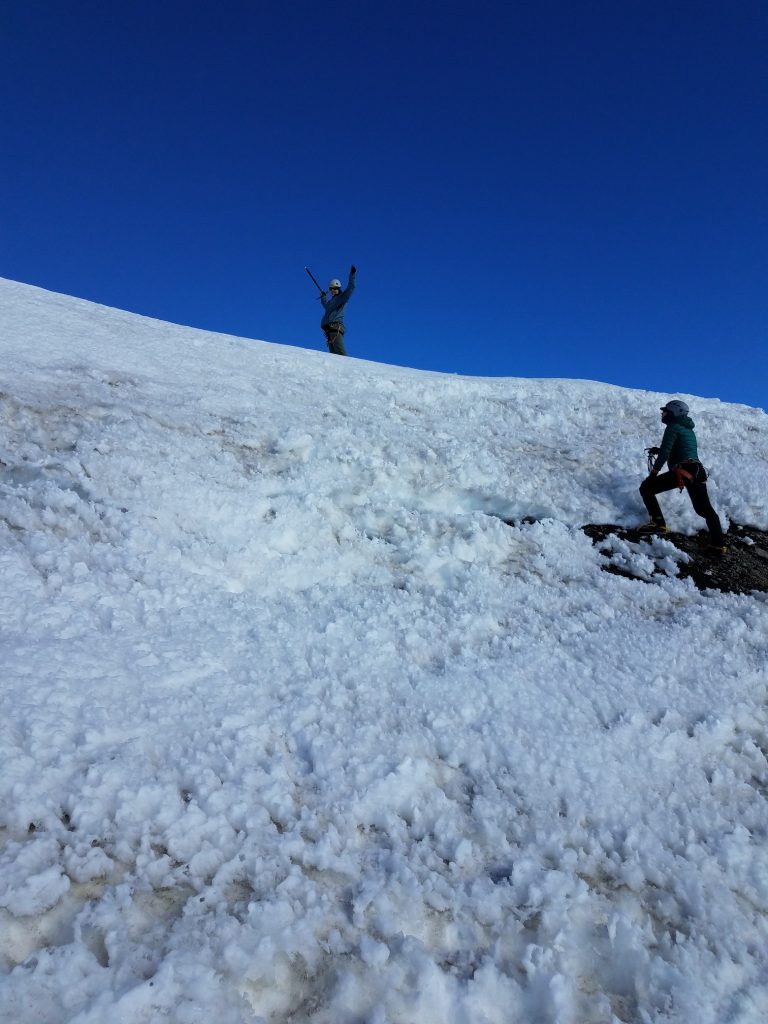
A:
334	337
697	492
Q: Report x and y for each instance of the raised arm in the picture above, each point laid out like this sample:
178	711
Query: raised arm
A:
350	284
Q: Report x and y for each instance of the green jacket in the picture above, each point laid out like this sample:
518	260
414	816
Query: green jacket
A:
678	444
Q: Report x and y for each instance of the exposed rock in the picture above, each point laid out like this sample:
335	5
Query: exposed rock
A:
741	570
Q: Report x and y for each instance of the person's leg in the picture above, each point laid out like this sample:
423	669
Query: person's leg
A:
652	486
336	344
335	341
697	492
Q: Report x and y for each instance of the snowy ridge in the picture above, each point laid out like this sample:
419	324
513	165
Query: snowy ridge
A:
296	728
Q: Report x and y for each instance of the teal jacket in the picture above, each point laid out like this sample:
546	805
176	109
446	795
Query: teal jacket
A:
334	307
678	444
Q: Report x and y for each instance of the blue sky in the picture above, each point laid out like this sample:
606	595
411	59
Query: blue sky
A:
540	189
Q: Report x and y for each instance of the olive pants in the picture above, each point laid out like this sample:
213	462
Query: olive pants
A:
334	337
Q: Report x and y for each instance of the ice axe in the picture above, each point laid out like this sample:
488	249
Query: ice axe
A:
651	454
312	276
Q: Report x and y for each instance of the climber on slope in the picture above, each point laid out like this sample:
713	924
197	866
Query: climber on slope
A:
679	449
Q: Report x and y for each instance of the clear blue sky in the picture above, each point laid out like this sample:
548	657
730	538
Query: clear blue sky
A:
549	189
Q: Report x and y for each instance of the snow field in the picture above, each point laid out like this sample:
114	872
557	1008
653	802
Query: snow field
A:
296	728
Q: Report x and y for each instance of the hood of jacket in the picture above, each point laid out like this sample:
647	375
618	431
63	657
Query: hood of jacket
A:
683	421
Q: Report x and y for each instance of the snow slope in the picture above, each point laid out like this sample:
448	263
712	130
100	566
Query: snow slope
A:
295	728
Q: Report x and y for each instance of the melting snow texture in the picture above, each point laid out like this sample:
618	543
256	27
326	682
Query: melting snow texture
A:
295	728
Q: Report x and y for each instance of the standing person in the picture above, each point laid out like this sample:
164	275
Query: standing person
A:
679	449
333	317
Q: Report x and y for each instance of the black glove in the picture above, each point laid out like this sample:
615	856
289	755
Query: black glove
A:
323	293
353	269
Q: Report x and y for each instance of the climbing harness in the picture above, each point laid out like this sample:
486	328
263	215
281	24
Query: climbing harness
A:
683	476
695	474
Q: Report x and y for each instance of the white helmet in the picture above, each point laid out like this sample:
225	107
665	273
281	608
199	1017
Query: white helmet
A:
335	283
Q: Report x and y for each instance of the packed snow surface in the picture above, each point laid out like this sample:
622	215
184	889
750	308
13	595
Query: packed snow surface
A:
295	728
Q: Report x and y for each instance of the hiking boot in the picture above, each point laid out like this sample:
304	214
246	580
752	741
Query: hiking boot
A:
652	527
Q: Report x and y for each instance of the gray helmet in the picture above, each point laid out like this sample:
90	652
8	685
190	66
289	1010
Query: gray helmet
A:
675	408
335	283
